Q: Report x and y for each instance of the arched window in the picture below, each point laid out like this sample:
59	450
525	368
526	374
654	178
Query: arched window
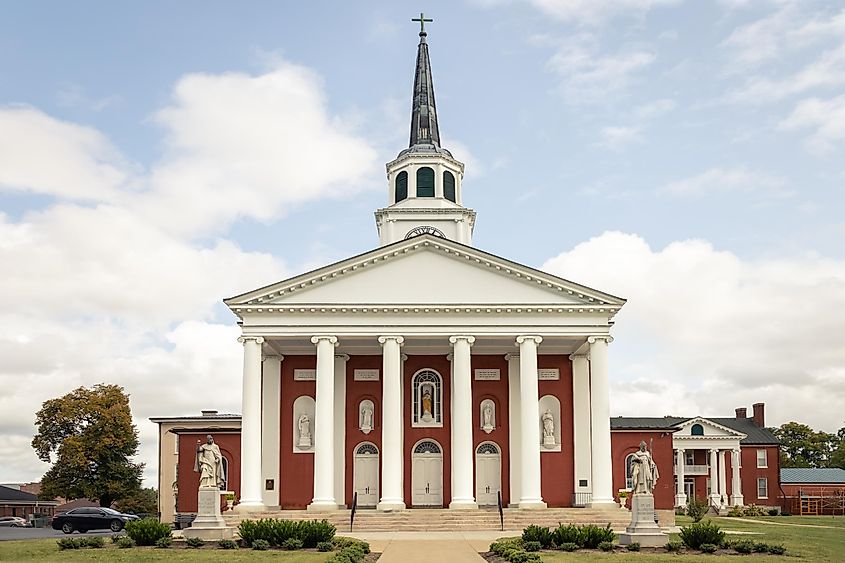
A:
425	182
225	473
629	479
427	410
401	186
427	447
487	448
366	449
697	430
449	186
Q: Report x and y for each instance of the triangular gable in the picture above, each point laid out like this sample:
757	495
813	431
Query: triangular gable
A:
427	269
711	429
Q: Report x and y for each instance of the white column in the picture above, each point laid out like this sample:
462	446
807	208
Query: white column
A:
680	466
271	397
736	482
600	423
324	426
463	495
391	425
581	421
723	482
715	494
251	427
340	428
514	428
530	490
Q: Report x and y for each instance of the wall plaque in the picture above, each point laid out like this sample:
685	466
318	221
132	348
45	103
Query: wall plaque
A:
548	374
487	375
305	375
366	375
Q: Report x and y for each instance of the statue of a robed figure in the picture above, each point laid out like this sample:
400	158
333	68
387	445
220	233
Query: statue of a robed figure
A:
644	475
209	523
209	464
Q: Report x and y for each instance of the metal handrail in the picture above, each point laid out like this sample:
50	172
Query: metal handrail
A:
501	512
354	508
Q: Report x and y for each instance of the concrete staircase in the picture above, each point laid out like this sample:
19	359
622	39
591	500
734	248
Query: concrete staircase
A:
430	520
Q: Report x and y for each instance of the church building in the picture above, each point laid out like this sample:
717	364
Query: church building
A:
425	372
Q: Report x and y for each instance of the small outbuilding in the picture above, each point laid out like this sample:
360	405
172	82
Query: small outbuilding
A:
813	490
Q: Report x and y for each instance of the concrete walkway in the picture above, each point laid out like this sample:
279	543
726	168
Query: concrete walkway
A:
425	547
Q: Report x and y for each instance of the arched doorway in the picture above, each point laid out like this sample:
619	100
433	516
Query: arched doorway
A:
365	474
427	474
488	474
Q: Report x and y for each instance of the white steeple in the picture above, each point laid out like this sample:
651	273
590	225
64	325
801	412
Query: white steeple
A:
424	180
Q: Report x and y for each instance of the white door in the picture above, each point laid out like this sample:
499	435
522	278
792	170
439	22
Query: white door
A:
427	475
488	474
365	475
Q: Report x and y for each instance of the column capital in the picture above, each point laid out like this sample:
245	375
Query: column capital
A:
574	357
344	357
245	339
509	357
450	356
680	450
273	357
528	337
404	357
713	451
736	451
398	339
606	337
454	339
319	337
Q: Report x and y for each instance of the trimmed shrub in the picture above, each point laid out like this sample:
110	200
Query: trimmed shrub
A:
774	512
500	546
753	510
325	546
260	545
761	547
164	543
568	546
277	532
115	537
708	548
69	543
532	546
316	531
539	534
590	536
699	533
292	544
125	542
743	546
566	534
735	511
147	531
94	542
195	543
633	546
340	542
696	509
777	549
606	546
227	544
674	546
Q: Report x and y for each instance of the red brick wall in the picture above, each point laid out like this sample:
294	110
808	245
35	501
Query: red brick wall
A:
557	469
623	443
296	488
750	473
497	391
189	480
357	391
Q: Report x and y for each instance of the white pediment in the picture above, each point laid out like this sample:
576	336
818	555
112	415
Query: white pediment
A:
427	270
711	430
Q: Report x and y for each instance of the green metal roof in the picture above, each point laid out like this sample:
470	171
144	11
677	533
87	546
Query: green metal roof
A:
812	475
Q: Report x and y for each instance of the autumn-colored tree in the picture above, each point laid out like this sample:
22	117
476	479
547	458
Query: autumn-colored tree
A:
89	435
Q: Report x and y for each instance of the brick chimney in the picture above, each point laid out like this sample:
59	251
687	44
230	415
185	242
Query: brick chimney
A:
759	414
741	412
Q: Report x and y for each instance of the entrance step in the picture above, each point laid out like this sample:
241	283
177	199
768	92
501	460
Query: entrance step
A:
421	520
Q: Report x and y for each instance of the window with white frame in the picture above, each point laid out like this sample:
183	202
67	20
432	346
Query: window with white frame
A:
427	388
762	487
689	457
762	460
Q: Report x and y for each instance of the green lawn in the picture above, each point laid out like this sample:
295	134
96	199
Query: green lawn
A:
48	551
808	543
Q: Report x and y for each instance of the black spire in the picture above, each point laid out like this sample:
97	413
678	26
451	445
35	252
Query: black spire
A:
424	128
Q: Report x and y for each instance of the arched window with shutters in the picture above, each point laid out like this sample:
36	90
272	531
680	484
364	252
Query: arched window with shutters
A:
401	186
449	186
425	182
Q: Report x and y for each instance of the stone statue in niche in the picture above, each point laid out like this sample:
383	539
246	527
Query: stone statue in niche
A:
427	415
209	464
304	425
644	473
487	417
366	418
548	429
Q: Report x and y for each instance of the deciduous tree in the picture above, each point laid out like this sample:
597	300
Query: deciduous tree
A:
89	436
801	446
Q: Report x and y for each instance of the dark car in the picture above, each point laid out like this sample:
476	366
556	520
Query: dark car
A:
91	518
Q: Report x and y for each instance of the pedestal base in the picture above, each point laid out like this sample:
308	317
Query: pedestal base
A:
209	534
322	506
463	505
208	524
532	504
390	506
645	540
250	507
643	529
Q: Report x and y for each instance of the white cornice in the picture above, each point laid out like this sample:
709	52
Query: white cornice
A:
406	309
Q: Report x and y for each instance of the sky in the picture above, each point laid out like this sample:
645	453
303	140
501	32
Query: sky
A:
158	157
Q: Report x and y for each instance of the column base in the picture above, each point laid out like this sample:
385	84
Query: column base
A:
463	505
532	504
715	500
322	506
390	506
603	503
737	500
681	500
250	506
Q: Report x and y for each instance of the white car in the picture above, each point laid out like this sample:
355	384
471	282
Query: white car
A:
13	522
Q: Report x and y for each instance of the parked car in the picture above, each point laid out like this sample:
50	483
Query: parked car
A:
13	522
91	518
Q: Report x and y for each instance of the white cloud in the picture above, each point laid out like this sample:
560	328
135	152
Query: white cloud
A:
654	109
616	138
721	180
826	117
593	12
709	331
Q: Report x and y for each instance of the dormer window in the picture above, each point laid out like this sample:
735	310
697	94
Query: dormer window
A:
696	430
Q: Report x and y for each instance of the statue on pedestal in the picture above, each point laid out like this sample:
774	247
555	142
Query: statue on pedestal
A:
548	429
304	431
644	473
366	419
209	464
487	417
